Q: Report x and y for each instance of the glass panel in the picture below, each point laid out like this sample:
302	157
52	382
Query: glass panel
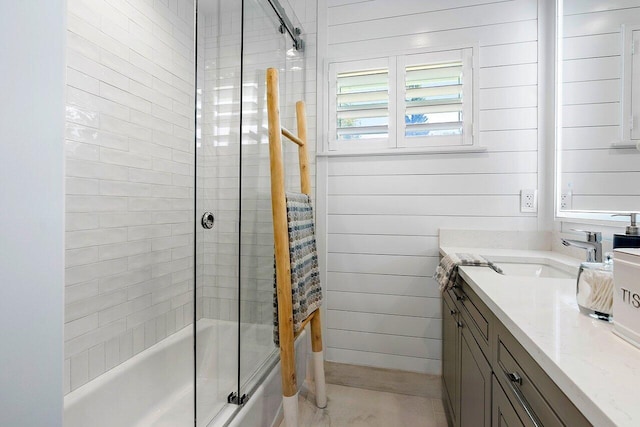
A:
263	47
218	166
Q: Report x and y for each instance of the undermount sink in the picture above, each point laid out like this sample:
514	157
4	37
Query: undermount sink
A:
533	270
534	267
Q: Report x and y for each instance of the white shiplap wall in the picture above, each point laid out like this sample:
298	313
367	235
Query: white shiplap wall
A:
383	213
597	176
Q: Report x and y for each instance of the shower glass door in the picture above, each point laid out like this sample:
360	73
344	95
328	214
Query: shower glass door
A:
263	47
266	44
236	43
219	39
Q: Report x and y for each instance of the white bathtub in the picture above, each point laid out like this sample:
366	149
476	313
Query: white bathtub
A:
155	387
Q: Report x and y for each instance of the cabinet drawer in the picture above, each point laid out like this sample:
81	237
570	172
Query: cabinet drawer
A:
476	315
529	388
502	412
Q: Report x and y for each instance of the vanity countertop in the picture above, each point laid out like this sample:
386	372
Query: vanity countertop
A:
596	369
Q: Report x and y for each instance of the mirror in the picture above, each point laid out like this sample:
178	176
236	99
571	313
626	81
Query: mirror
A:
597	106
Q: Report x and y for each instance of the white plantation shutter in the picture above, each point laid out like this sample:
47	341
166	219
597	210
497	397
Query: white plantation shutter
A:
433	99
362	105
362	102
417	100
435	105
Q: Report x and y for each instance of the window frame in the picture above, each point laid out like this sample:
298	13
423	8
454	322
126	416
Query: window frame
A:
396	142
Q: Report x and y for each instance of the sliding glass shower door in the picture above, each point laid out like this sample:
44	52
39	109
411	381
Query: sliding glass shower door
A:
219	43
236	43
264	46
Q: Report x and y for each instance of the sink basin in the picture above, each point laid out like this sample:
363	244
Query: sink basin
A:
538	266
534	270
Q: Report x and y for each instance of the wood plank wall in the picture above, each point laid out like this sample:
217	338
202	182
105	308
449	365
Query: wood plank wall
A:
384	212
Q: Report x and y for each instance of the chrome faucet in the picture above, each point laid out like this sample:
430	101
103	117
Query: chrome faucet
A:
593	245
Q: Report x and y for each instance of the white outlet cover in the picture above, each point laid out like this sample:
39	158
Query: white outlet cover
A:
529	200
566	200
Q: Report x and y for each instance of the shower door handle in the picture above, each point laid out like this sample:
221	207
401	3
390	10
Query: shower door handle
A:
207	220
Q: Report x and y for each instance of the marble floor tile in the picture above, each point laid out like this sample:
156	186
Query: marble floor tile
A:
438	406
351	406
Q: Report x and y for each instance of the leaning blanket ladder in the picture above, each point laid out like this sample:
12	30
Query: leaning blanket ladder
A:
287	335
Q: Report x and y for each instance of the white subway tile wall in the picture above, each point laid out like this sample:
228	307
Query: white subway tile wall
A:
130	170
219	78
129	185
219	153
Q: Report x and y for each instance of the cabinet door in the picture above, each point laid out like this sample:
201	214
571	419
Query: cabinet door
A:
503	414
475	382
450	356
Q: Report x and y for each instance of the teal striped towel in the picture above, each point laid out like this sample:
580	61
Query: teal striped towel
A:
447	272
305	274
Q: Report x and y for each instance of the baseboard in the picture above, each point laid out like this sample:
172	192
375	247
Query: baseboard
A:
380	379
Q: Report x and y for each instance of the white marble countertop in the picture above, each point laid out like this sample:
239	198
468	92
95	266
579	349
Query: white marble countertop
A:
596	369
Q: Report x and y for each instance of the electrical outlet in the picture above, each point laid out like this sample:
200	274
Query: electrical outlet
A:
529	201
566	200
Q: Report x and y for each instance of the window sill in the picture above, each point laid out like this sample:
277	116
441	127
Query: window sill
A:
405	151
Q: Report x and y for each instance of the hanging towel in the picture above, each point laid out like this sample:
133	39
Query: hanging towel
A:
447	272
305	278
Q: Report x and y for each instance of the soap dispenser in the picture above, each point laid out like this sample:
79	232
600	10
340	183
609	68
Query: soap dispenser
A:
631	239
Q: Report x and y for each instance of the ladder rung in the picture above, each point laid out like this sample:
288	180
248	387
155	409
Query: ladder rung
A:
304	324
292	137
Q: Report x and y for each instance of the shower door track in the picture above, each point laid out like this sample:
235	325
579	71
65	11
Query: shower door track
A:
294	32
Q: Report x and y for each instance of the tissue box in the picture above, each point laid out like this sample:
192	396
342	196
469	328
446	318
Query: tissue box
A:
626	297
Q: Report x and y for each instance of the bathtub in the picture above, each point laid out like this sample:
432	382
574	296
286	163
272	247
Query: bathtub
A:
155	387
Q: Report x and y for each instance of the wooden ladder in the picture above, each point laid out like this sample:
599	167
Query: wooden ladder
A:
283	261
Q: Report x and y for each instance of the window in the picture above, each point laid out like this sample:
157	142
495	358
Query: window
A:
403	101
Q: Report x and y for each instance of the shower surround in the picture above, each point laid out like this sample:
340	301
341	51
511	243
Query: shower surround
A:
129	180
146	143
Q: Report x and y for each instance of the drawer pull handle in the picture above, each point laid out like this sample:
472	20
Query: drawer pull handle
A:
460	297
514	377
459	324
452	312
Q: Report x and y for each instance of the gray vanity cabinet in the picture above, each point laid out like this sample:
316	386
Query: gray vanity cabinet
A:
489	379
466	371
475	383
450	357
